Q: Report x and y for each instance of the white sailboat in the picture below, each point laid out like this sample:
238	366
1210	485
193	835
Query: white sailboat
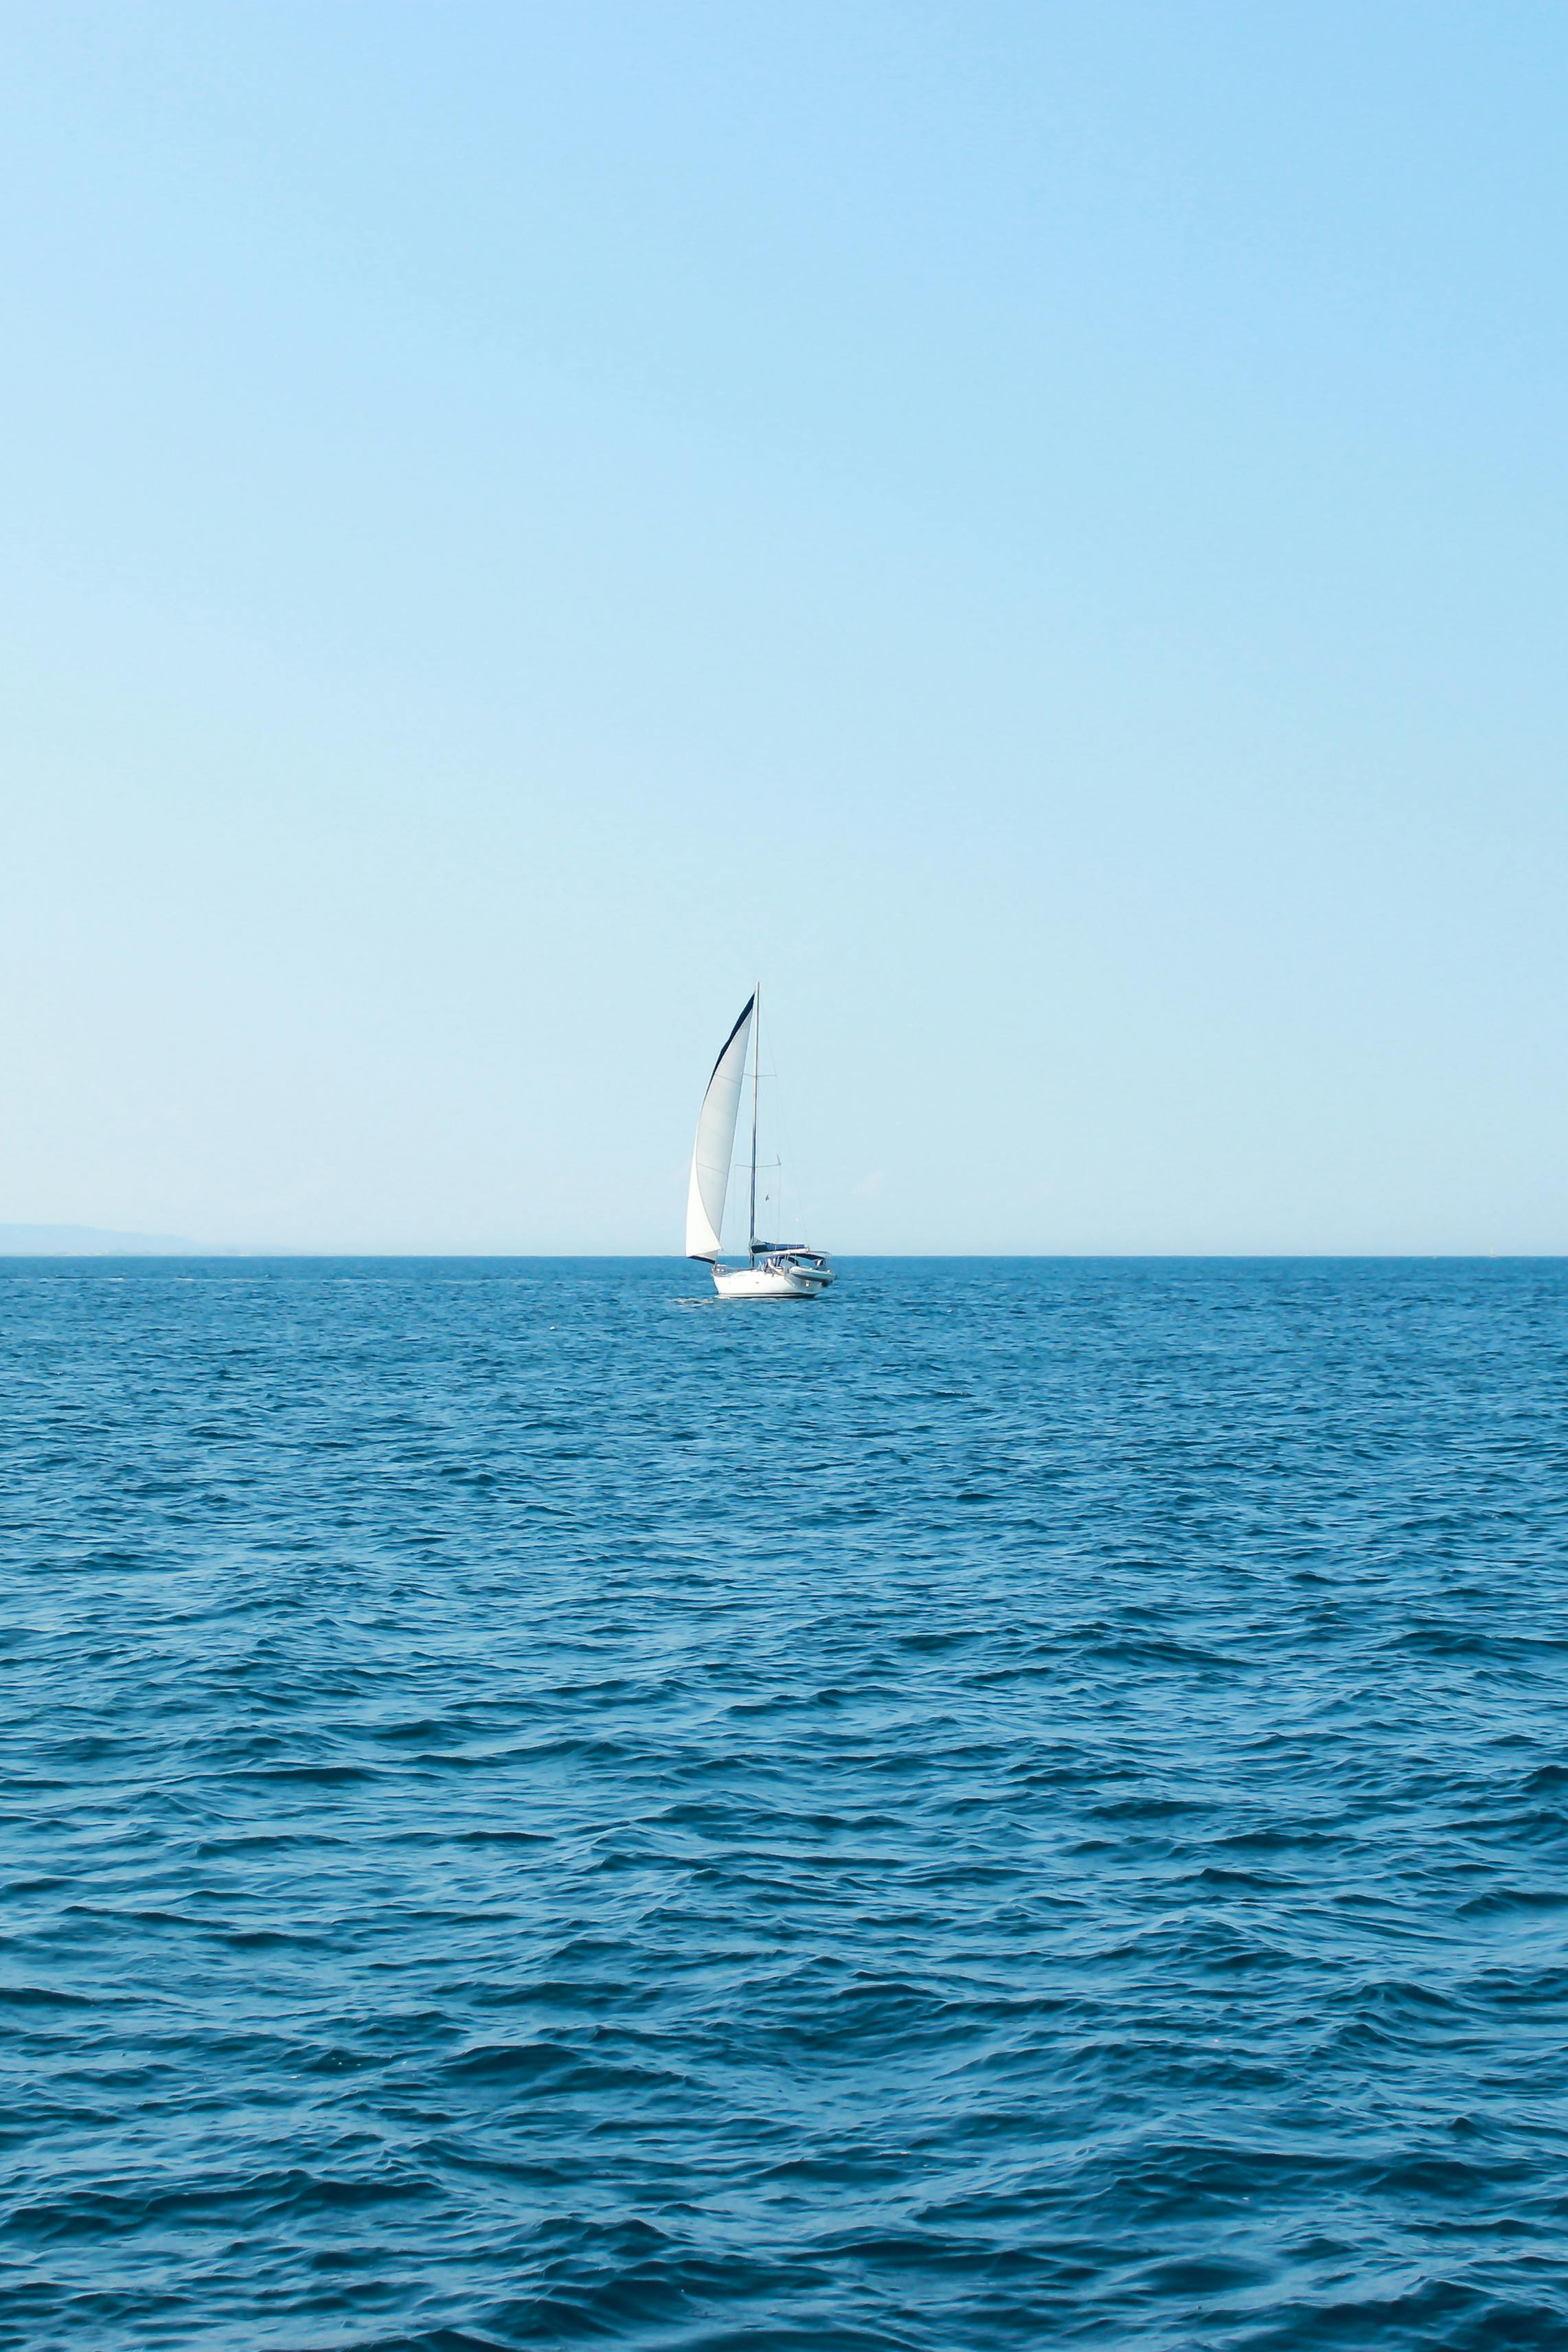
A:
773	1269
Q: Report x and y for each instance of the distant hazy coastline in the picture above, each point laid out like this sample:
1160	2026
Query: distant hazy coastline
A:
87	1241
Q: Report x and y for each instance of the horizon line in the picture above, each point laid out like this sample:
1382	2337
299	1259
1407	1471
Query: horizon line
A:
231	1253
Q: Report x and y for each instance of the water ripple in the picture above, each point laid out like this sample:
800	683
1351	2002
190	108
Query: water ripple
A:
1026	1804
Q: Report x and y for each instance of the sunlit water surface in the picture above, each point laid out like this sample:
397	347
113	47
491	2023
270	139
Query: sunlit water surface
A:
1021	1804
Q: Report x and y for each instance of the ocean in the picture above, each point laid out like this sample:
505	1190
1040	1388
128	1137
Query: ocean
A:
1019	1805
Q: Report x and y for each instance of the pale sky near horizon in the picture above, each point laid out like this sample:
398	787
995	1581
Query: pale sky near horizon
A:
1038	530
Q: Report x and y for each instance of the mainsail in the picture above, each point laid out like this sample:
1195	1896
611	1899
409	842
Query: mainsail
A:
715	1141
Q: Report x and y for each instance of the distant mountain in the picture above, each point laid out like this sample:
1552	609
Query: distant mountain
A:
86	1240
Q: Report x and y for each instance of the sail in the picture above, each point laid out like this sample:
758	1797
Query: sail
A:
715	1141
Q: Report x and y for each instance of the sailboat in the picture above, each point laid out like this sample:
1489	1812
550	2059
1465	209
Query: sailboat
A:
773	1269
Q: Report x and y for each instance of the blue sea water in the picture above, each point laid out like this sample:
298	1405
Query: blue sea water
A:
1023	1804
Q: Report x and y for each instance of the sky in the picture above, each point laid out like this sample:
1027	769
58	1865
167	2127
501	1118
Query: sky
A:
1038	531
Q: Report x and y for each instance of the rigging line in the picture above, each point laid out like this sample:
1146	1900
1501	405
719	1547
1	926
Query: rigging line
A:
776	1199
755	1082
787	1152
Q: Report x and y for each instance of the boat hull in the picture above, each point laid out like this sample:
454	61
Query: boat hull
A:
772	1281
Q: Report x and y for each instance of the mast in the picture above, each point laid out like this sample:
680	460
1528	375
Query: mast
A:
755	1068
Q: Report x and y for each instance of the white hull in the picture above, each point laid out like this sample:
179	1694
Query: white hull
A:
781	1279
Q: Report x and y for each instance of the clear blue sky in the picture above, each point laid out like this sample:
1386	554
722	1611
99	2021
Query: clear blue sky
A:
1039	529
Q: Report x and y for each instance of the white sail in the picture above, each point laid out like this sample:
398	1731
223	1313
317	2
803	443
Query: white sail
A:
715	1141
